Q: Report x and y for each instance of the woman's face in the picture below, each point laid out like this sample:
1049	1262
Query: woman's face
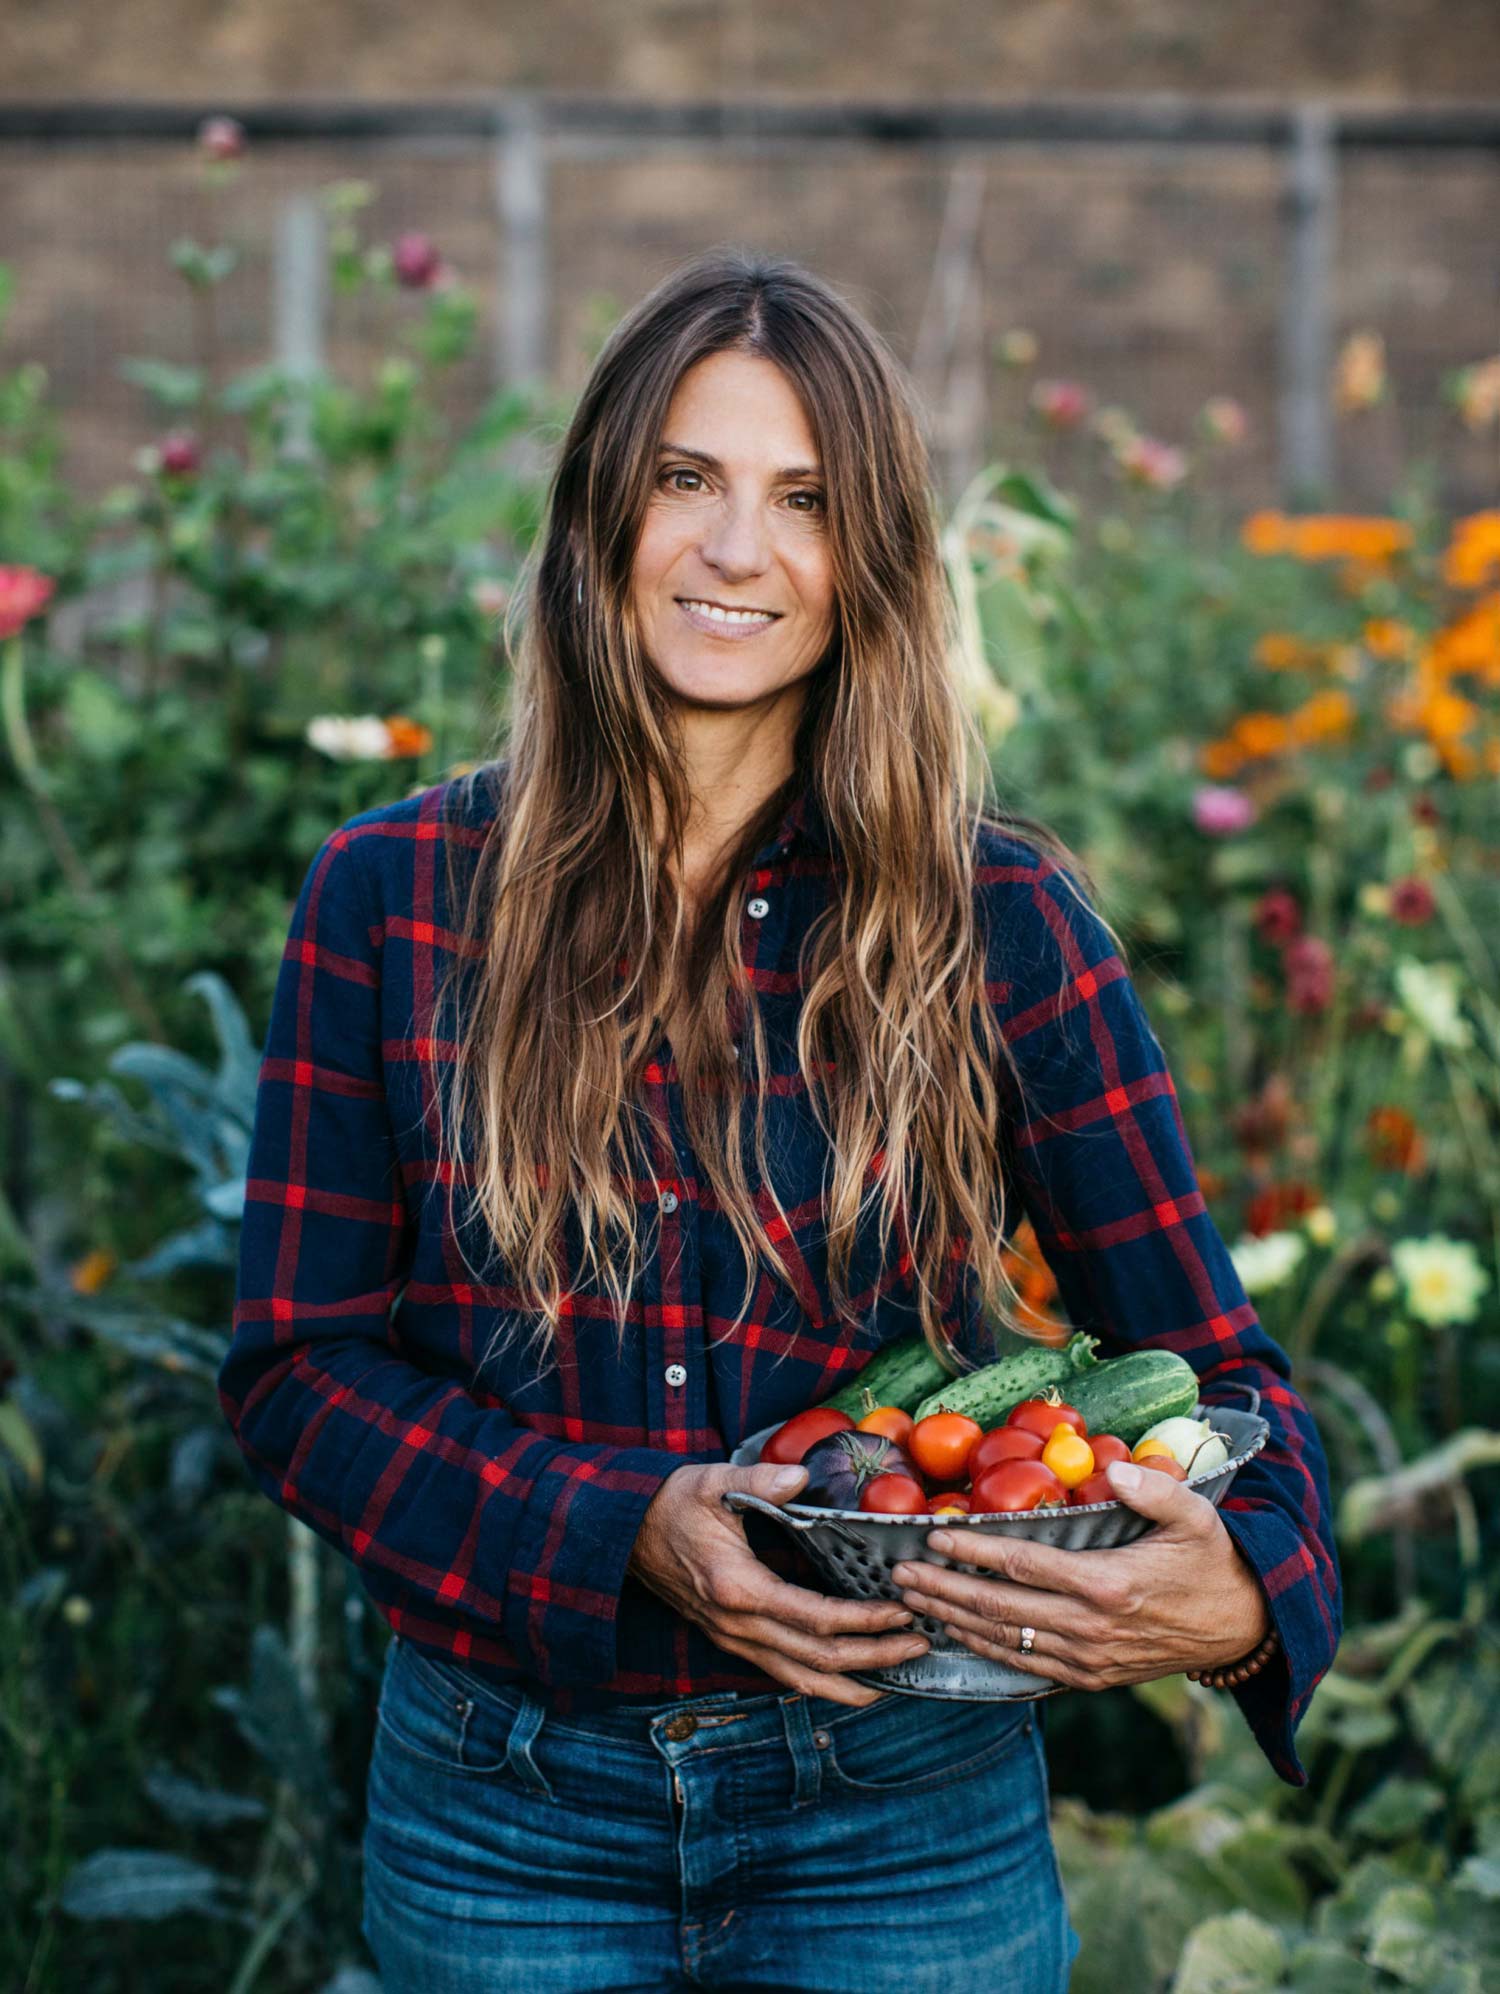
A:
736	523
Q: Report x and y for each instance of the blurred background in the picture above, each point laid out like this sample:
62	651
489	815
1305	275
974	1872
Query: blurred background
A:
1203	307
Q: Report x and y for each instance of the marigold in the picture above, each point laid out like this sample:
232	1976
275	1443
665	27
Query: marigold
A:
407	737
1385	637
1280	651
1326	536
1471	643
1472	557
1259	734
1327	716
1220	760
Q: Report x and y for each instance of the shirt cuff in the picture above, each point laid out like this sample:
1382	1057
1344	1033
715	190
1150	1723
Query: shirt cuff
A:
1275	1699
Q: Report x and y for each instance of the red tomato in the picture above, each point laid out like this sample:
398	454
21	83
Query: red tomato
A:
1095	1489
891	1421
950	1499
893	1495
803	1430
1004	1443
1041	1416
1107	1447
940	1444
1016	1485
1164	1465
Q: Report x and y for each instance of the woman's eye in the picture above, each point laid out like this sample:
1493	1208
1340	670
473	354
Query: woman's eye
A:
681	472
816	497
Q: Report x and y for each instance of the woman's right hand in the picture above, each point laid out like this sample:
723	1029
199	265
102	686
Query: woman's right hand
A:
692	1550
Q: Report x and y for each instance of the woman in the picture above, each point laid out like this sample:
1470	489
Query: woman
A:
751	1037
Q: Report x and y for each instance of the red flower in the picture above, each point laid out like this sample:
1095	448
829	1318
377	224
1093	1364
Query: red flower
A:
1309	974
1394	1140
1269	1209
178	454
1278	918
1061	404
1412	901
415	261
23	594
221	138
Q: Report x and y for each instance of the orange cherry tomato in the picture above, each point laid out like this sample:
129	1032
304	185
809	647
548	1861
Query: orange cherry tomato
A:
803	1430
1165	1465
891	1421
1004	1443
1095	1489
1144	1449
1108	1447
1069	1456
951	1503
940	1444
893	1495
1016	1485
1041	1415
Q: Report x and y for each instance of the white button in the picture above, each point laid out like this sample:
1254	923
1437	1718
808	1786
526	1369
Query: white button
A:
758	909
669	1201
676	1374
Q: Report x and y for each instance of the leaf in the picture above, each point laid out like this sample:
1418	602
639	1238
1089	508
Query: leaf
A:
1397	1808
276	1720
174	387
1374	1502
40	1593
1403	1933
1481	1874
194	1456
1236	1954
351	1980
1320	1967
18	1439
192	1804
142	1332
209	1243
139	1883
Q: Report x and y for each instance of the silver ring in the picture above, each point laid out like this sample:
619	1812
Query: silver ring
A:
1028	1640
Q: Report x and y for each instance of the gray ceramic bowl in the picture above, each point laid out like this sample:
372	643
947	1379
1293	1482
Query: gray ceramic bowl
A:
856	1553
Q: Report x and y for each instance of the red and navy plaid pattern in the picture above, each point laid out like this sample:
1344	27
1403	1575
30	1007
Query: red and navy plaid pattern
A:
491	1520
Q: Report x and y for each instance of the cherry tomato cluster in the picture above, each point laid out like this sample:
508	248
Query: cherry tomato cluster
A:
1043	1456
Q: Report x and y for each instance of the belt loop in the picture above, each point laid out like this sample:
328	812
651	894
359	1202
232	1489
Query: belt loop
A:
806	1758
525	1725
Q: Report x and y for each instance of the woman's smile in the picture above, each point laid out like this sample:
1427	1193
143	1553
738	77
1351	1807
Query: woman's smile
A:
718	620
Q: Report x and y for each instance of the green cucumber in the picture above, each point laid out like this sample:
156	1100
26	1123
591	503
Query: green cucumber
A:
901	1374
989	1393
1126	1395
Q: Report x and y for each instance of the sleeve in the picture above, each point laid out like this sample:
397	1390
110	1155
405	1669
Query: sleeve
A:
1100	1160
468	1528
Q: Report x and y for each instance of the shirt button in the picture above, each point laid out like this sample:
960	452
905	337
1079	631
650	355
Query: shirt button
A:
669	1201
676	1374
758	909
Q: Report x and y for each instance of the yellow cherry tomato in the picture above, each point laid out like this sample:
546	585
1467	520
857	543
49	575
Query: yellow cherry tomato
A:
1069	1456
1144	1449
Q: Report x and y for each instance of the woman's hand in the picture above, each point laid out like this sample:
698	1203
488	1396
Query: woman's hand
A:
693	1551
1180	1598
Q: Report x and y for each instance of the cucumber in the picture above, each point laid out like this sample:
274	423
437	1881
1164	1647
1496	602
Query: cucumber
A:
901	1374
989	1393
1126	1395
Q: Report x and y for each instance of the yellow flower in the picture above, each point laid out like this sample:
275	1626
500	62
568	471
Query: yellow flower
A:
88	1275
1359	375
1321	1225
1472	557
1442	1277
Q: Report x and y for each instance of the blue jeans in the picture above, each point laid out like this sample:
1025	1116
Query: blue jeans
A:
721	1841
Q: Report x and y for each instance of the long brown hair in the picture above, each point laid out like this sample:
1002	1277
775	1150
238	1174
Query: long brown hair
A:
572	881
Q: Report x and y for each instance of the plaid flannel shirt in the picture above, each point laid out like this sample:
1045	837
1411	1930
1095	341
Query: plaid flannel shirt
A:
491	1519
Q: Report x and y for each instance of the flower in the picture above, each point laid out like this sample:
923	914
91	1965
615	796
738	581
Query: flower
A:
24	593
221	138
1428	992
1412	901
178	455
1308	962
1016	348
1394	1140
1325	536
1277	916
1359	374
1145	461
1221	812
1223	420
76	1610
1321	1225
415	261
1263	1264
1061	404
1477	393
1269	1207
1442	1278
365	739
406	737
1374	898
1472	557
489	595
88	1275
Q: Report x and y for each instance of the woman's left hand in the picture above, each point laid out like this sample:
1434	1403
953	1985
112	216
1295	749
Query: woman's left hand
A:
1179	1598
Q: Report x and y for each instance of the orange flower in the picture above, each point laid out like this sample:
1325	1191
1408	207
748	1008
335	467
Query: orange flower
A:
1471	643
88	1275
1280	651
1325	536
1259	734
407	737
1384	637
1327	716
1220	760
1394	1141
1025	1266
1472	556
1269	1209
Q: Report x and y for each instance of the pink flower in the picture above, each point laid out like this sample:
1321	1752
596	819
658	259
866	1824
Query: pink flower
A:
1278	918
178	454
1221	812
1060	404
415	261
24	593
1144	461
1412	901
221	138
1309	974
1223	420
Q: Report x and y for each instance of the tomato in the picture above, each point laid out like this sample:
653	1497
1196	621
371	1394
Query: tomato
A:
1041	1415
893	1495
1069	1456
1165	1465
891	1421
1004	1443
1144	1449
1096	1489
940	1444
1108	1447
803	1430
952	1502
1016	1485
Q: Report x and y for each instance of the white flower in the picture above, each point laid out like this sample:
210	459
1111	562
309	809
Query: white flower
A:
1429	993
1442	1278
1267	1263
365	739
1321	1225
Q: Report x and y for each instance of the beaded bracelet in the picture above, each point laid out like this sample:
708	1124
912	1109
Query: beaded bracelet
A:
1231	1674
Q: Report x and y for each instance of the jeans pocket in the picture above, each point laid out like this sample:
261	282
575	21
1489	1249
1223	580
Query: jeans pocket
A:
914	1744
431	1712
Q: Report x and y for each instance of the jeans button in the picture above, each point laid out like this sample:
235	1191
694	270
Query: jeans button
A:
681	1727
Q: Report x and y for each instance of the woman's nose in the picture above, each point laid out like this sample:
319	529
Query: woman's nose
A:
736	542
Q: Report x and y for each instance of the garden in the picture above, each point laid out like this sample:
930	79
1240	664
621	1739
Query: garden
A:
1274	736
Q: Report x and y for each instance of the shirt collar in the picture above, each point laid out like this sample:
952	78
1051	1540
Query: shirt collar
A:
803	824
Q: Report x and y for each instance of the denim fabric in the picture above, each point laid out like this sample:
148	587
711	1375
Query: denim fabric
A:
724	1841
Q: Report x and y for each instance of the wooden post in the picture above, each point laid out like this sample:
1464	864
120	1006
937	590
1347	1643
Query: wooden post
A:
1309	205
